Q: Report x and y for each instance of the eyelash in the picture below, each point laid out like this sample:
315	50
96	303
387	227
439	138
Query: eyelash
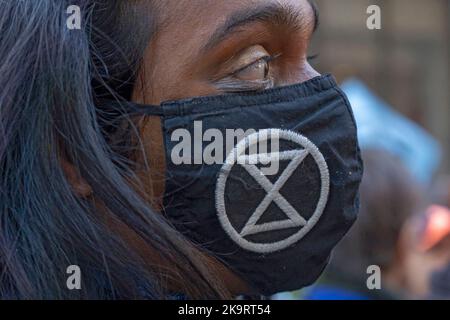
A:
228	84
267	59
313	57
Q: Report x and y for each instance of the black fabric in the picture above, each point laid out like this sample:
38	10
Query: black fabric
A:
316	109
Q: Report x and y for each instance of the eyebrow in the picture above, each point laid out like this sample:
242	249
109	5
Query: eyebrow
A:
274	13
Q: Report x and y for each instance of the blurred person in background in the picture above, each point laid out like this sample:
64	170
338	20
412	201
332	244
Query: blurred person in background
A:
410	245
427	253
428	258
440	192
389	197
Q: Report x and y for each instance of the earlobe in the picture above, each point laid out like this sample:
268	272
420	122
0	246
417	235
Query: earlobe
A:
79	186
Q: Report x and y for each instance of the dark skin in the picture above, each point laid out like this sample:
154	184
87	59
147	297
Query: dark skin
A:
210	47
199	43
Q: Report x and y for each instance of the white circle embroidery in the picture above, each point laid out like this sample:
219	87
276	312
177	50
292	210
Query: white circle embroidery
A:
237	156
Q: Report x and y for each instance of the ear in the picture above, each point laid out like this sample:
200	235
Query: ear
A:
79	185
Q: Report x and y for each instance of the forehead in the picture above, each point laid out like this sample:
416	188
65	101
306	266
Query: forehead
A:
209	13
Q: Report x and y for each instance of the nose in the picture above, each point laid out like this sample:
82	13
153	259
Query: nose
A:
303	73
310	72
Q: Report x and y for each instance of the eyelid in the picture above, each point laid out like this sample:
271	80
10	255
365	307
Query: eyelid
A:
267	59
231	84
313	57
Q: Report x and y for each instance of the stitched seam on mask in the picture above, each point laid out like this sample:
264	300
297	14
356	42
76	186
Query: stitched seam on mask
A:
348	106
357	152
329	78
323	87
213	112
352	117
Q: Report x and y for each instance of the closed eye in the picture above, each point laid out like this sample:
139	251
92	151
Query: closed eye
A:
255	76
258	70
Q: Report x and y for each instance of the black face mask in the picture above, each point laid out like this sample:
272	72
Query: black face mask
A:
274	229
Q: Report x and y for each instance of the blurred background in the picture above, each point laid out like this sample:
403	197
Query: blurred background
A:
397	80
407	62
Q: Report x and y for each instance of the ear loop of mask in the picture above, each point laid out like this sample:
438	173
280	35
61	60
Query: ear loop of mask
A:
133	109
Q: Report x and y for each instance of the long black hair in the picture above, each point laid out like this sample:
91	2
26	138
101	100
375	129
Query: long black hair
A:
50	80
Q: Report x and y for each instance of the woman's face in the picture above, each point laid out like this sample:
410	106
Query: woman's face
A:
209	47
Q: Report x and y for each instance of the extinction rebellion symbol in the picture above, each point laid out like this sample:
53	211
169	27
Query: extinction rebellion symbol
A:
304	148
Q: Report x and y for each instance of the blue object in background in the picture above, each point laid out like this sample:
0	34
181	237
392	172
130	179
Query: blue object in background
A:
321	292
380	127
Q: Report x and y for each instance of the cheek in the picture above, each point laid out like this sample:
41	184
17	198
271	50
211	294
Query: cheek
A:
189	88
168	84
153	162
